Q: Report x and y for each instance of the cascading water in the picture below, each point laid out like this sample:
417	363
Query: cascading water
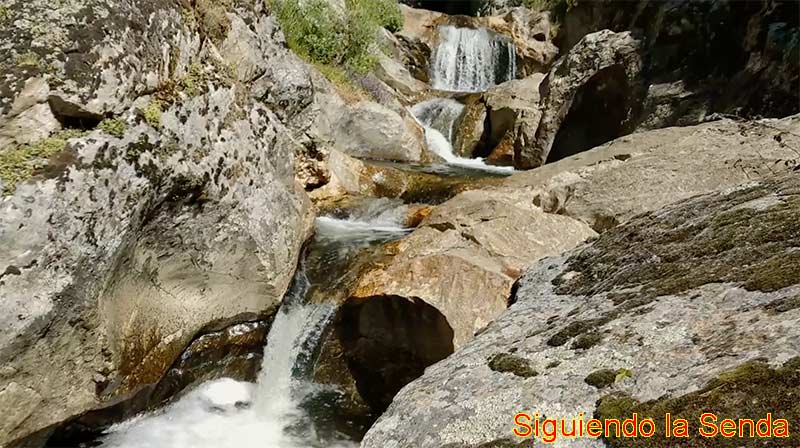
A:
442	114
440	118
472	60
273	412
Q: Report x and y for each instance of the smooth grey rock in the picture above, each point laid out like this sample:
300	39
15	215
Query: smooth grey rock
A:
673	314
369	130
648	170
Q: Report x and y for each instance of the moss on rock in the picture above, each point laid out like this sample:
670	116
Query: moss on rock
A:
606	377
113	126
506	362
23	162
748	392
587	341
750	236
152	113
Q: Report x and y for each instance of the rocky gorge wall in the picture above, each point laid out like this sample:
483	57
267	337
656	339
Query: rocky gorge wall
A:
156	168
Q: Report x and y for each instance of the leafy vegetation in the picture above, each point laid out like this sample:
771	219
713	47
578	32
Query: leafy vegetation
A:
5	14
21	163
320	34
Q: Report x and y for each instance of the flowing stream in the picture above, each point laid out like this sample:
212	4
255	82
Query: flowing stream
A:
282	409
472	60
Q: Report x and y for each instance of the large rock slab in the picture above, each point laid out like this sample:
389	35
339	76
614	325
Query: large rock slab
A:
464	257
674	306
514	114
645	171
366	129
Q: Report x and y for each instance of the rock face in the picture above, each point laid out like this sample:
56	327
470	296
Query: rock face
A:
435	288
495	119
514	114
179	217
604	61
701	58
532	32
674	306
601	188
373	131
464	257
365	129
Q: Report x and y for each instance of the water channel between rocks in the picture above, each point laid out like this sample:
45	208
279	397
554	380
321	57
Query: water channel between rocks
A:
295	402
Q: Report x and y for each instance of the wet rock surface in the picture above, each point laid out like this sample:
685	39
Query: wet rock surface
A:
664	347
234	352
476	244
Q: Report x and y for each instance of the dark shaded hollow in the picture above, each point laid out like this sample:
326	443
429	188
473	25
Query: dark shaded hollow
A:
452	7
388	341
598	114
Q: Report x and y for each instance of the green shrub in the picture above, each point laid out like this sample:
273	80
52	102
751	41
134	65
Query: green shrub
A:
152	113
385	13
312	29
318	33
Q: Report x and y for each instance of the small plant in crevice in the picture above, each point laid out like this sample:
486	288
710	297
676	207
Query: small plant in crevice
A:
152	113
113	126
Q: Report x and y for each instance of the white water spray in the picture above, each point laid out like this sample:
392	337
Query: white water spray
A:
232	414
472	60
440	118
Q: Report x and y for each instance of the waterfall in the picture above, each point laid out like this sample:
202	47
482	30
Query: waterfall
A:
472	60
440	118
442	114
271	412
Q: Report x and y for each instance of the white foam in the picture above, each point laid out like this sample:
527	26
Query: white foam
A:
373	219
233	414
442	115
